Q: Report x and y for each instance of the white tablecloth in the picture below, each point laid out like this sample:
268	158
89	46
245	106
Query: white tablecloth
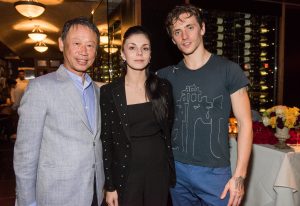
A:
273	177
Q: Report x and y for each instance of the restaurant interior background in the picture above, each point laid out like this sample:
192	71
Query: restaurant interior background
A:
260	35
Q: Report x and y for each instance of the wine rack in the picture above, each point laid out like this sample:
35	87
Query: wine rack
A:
251	41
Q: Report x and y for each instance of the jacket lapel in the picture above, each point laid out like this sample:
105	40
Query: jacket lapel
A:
119	96
72	95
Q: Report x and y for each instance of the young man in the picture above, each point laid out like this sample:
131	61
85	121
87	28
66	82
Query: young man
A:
205	87
58	152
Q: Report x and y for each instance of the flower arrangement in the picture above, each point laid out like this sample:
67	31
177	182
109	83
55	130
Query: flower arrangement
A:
282	116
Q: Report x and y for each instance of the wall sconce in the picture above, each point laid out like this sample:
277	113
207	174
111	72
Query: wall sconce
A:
41	47
37	34
30	8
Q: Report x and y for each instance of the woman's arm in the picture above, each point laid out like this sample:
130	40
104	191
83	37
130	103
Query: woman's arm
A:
106	136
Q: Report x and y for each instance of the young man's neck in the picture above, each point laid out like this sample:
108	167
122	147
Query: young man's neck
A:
197	59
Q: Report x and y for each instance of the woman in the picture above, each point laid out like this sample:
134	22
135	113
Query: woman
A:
136	122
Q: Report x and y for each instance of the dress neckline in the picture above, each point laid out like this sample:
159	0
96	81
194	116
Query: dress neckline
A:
137	104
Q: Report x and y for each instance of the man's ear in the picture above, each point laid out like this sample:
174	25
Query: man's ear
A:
203	29
61	44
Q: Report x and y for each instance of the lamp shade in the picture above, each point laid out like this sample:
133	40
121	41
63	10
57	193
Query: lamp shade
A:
29	8
41	47
37	34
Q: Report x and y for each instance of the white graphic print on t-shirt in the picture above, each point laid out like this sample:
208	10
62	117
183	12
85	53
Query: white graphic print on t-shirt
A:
195	111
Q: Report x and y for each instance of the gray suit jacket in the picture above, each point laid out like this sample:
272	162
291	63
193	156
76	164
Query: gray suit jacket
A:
56	154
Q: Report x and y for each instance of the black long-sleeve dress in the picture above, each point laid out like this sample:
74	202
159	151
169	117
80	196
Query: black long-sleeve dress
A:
120	142
148	179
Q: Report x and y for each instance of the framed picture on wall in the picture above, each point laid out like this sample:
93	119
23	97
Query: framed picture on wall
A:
42	63
54	63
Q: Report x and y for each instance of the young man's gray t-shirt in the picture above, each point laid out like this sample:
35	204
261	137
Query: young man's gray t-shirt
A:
202	108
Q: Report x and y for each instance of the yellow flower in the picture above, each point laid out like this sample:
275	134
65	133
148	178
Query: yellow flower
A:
280	110
290	121
273	122
288	115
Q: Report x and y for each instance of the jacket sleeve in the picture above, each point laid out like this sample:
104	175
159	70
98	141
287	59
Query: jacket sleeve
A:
32	114
170	104
106	137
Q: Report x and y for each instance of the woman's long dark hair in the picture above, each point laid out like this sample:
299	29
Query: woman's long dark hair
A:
154	87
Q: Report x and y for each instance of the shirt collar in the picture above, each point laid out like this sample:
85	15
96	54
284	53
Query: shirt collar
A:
78	80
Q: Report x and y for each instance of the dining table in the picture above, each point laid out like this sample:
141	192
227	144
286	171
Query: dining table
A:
273	177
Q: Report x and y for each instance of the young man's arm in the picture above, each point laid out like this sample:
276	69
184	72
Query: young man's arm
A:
242	112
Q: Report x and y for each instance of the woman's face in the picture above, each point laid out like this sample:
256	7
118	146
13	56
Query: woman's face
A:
136	51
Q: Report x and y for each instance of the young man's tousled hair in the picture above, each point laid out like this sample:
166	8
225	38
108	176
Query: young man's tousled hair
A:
173	15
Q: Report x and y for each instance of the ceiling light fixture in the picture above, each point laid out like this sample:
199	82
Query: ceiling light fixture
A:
110	49
41	47
37	34
104	39
30	8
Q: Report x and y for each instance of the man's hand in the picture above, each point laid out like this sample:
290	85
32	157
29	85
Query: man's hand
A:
236	188
112	198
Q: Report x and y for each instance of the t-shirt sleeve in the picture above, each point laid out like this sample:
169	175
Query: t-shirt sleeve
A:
236	79
163	73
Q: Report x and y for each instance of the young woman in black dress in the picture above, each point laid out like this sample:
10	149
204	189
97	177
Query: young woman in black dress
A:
136	113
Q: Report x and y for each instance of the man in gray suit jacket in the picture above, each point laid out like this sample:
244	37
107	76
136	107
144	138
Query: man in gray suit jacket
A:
58	152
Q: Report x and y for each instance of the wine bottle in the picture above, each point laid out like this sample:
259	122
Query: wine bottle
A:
219	52
220	36
263	44
262	96
264	30
263	58
247	16
220	28
247	22
263	53
263	72
264	87
220	20
247	37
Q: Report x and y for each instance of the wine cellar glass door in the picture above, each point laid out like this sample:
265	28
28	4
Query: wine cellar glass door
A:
251	41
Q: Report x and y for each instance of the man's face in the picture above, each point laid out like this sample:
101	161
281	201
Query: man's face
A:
187	34
21	75
79	49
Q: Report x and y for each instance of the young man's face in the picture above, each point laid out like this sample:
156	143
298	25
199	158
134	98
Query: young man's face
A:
187	34
79	49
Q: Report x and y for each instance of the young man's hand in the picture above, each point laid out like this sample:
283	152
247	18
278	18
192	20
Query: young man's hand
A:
235	186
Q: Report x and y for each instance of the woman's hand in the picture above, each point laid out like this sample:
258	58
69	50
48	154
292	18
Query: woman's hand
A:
112	198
